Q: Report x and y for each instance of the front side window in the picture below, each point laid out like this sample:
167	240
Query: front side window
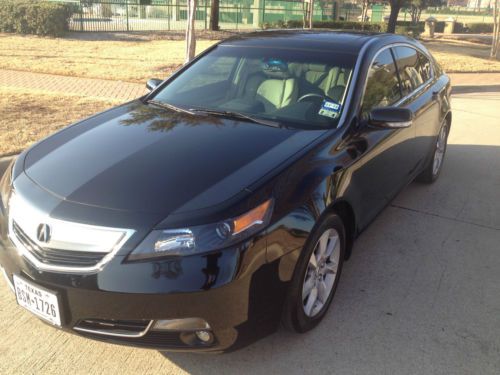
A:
414	68
382	85
295	87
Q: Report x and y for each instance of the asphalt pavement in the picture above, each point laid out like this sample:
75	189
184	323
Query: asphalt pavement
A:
420	295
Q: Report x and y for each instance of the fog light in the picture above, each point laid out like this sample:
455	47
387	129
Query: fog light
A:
204	336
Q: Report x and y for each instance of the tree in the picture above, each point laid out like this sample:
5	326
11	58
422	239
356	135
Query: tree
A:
307	7
214	15
495	43
393	17
190	35
364	9
311	13
417	6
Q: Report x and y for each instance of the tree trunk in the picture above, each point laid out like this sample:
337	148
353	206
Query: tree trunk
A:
304	14
393	17
214	15
495	43
190	36
311	13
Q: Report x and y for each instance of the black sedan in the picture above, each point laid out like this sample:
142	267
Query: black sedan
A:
226	200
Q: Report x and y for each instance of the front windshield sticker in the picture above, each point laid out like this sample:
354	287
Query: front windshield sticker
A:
330	108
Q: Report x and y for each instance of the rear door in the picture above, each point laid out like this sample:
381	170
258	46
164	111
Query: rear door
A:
419	95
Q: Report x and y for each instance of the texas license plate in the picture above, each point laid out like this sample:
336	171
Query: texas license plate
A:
40	301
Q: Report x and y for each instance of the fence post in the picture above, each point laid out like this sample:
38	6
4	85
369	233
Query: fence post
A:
169	13
206	14
81	16
126	7
263	12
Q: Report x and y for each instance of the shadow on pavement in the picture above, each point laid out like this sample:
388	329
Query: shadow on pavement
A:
419	295
475	89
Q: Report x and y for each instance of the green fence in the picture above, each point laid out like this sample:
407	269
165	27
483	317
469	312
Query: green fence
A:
141	15
150	15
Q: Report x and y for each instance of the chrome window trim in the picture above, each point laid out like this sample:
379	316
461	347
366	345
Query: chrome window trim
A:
23	251
418	89
105	333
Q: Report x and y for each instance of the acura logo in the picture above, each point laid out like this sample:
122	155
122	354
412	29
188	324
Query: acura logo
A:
43	233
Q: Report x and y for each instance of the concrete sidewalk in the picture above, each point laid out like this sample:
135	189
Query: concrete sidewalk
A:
107	89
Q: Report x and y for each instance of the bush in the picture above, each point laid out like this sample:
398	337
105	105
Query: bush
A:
348	25
478	28
34	17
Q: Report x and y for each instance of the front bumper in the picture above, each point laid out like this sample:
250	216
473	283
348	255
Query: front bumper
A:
234	291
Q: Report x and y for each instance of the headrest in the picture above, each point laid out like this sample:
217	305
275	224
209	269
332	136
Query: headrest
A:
317	67
296	69
275	68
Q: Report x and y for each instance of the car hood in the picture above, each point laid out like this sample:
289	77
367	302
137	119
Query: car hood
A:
139	157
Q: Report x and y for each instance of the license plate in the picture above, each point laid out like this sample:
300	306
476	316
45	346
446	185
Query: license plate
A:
40	301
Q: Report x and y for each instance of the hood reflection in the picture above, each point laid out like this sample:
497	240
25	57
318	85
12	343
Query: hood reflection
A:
164	119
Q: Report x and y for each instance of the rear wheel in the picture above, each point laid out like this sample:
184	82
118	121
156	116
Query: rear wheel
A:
316	276
433	168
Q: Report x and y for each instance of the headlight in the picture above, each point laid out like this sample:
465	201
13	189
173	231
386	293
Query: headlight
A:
203	238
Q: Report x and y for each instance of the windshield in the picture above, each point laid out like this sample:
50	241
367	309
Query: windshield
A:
293	87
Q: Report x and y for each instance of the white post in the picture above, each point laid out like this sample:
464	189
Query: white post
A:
190	35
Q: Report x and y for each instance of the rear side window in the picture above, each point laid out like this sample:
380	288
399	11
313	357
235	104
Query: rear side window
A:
414	68
382	85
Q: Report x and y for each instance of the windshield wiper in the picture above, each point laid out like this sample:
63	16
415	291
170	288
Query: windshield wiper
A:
237	115
170	106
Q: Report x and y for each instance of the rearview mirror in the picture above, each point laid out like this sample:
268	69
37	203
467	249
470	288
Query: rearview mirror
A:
153	83
391	117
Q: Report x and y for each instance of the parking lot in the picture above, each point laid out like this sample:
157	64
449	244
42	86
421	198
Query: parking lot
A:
421	293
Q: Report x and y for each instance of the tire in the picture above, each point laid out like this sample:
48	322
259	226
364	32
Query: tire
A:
298	315
431	172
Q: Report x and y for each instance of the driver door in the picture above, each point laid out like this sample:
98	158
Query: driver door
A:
387	159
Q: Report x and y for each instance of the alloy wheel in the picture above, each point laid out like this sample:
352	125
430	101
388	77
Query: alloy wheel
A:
321	273
440	149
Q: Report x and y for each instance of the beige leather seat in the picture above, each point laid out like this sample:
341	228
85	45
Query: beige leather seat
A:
316	75
278	90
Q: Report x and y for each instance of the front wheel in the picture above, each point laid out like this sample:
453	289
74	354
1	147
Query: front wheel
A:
433	168
316	276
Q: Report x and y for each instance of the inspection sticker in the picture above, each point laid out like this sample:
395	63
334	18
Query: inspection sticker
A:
329	109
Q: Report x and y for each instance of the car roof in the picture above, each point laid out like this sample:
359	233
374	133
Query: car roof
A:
343	41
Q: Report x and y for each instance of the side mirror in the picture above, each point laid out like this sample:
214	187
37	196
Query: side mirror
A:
391	118
153	83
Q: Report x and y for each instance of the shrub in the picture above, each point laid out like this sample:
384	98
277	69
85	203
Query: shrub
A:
348	25
478	28
34	17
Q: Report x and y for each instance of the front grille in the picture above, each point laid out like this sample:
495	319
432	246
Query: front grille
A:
137	333
151	339
56	256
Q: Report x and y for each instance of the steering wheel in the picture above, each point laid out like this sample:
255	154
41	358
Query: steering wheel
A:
314	95
310	95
